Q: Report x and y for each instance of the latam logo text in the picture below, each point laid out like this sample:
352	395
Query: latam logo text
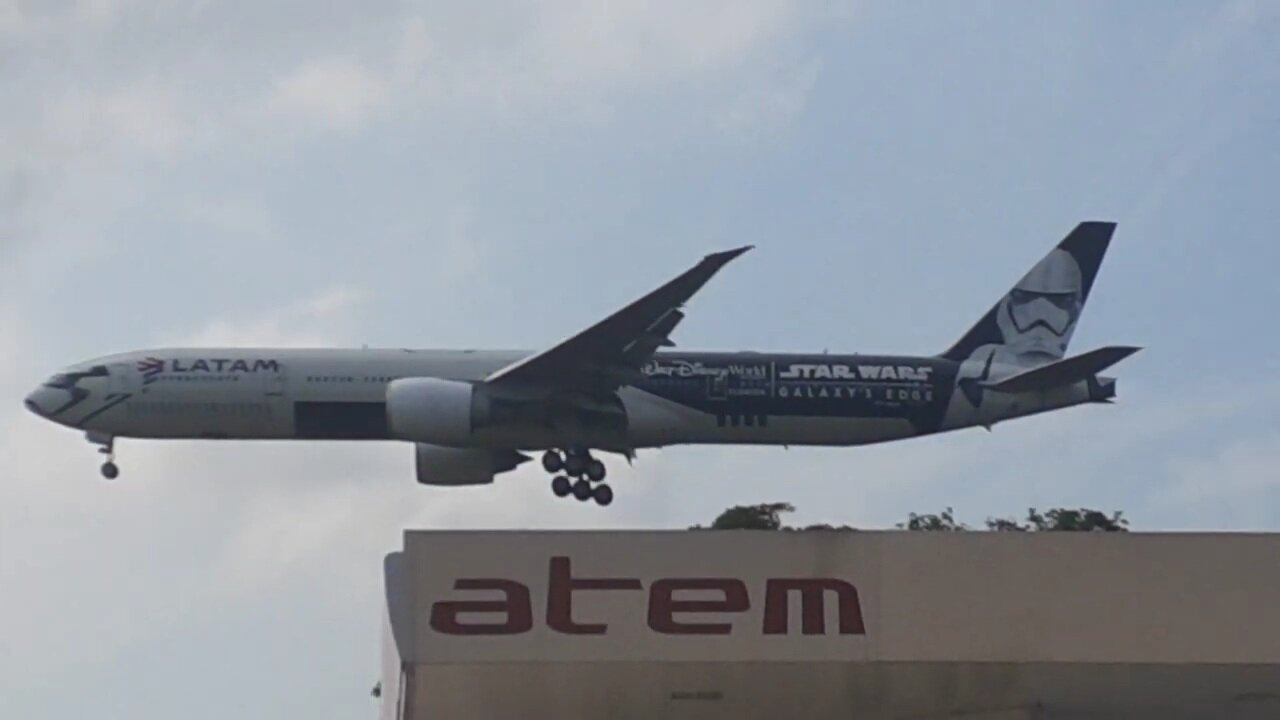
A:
152	367
666	613
861	372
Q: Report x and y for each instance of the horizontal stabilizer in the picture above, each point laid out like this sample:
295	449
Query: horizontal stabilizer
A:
1064	372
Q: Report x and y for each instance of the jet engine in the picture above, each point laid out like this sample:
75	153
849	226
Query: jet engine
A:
453	413
432	410
436	465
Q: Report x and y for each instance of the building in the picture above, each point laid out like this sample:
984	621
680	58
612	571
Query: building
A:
830	624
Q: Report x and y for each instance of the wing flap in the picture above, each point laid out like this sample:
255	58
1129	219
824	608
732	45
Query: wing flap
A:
1064	372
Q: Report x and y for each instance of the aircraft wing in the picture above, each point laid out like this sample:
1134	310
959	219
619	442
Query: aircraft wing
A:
612	352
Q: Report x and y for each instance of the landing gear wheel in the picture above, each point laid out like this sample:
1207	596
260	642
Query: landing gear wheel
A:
603	495
561	486
595	471
582	490
552	462
575	465
107	447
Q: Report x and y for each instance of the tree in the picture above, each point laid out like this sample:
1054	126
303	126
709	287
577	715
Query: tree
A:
942	522
1005	525
765	516
1055	520
822	526
1081	520
751	517
768	516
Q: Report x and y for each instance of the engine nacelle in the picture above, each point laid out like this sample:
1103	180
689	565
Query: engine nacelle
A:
432	410
453	413
436	465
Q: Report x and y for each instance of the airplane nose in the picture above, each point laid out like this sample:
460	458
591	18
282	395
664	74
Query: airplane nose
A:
33	403
44	401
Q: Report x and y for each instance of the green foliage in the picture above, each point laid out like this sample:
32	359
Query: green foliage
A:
751	517
768	516
1005	525
1075	520
944	521
822	526
1055	520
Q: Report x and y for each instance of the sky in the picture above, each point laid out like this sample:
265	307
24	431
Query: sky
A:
501	175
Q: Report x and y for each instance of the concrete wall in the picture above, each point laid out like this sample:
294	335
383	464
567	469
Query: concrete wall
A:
397	619
939	622
923	596
844	691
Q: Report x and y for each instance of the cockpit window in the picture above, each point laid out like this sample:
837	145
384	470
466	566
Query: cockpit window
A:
64	381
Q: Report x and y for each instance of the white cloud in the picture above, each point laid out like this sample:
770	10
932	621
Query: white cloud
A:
324	319
1211	39
13	336
583	42
31	21
100	11
145	117
13	20
240	217
416	46
768	105
577	58
338	93
78	154
572	58
1192	87
1236	483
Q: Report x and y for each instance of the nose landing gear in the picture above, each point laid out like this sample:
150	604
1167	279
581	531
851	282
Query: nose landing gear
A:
581	471
107	446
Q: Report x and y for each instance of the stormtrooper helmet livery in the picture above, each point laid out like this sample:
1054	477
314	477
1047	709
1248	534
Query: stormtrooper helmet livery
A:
1038	315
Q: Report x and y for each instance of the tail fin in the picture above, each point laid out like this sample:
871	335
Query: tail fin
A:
1033	323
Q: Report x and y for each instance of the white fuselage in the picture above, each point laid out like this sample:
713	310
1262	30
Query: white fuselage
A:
332	394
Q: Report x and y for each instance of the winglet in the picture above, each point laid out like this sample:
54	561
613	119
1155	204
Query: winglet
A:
720	258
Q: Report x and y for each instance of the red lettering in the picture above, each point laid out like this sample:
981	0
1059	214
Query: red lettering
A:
663	606
812	607
516	606
560	597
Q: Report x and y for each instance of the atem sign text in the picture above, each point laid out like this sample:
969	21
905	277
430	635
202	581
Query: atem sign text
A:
667	613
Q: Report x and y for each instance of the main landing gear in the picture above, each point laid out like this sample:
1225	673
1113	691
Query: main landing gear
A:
583	478
107	446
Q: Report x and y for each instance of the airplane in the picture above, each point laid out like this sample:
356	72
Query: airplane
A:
615	387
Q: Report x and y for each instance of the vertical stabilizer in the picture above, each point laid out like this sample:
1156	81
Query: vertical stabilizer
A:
1033	323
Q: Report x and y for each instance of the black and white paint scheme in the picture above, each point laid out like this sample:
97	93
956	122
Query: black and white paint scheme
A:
616	387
